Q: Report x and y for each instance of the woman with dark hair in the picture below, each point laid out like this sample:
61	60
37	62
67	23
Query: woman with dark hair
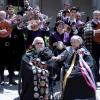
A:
59	39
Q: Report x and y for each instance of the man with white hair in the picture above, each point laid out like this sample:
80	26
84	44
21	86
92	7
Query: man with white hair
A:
38	43
92	39
33	72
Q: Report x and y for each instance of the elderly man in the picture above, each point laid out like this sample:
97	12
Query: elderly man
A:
34	72
92	39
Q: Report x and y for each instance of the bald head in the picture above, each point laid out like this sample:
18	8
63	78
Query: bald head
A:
2	15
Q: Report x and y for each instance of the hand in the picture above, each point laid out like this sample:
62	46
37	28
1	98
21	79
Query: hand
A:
97	31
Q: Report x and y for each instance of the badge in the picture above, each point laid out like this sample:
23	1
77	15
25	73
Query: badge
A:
35	88
7	44
41	98
47	91
42	83
34	71
47	85
44	72
39	71
46	97
43	77
33	67
36	95
35	77
39	75
35	82
42	91
46	79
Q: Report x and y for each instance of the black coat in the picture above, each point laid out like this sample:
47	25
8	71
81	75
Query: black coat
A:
76	85
27	74
18	46
5	52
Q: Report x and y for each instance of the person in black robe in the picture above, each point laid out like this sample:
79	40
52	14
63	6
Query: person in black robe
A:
31	80
90	32
17	42
5	49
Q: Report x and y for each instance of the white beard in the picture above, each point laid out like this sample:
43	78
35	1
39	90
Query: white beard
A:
40	49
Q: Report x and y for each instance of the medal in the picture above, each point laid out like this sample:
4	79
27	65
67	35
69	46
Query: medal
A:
15	36
33	67
35	77
36	95
41	98
35	82
6	44
47	85
39	71
46	79
44	72
34	71
35	89
47	91
42	83
42	91
39	75
42	77
46	97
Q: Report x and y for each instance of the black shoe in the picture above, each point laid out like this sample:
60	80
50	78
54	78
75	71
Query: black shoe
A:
2	83
12	83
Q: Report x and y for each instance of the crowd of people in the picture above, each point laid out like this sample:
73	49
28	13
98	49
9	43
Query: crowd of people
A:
74	46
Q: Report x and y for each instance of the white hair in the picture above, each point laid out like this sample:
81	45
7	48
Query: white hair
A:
37	39
3	14
96	12
76	37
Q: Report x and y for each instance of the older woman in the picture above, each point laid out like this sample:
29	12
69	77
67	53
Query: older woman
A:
79	71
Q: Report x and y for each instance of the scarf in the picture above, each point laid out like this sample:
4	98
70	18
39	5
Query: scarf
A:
86	72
